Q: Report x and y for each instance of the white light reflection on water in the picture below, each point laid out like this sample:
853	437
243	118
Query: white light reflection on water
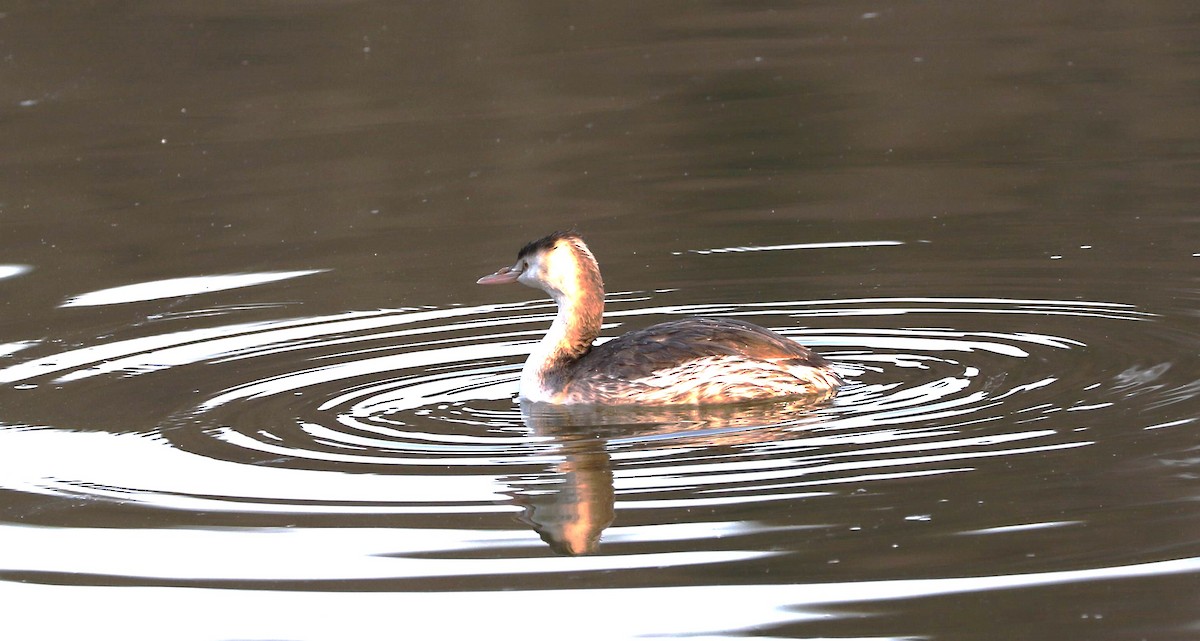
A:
428	388
12	348
174	287
248	339
129	467
145	354
600	613
10	271
365	366
767	248
424	403
1023	527
307	554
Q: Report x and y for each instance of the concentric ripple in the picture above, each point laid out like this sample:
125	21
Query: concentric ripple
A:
412	412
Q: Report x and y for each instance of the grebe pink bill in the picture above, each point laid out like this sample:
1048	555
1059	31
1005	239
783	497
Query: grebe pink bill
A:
687	361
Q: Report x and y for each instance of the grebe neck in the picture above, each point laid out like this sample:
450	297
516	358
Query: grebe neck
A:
570	337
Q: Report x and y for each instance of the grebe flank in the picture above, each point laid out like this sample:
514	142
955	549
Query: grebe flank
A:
685	361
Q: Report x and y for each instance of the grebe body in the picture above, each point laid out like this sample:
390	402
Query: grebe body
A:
684	361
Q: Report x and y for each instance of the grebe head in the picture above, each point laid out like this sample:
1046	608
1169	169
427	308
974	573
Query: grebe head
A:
559	264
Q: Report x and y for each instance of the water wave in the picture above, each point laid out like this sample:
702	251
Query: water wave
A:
412	411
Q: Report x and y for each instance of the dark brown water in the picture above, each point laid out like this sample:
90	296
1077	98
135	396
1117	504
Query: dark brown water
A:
249	390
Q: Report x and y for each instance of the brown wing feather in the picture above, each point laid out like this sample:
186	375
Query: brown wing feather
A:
639	353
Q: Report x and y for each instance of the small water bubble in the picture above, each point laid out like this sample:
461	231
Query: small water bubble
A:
25	386
1055	257
870	15
29	103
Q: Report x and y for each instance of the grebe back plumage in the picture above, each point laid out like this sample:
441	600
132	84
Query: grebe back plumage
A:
684	361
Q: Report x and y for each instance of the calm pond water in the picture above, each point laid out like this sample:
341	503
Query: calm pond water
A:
249	390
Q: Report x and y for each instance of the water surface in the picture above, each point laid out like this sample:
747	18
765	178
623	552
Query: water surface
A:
248	385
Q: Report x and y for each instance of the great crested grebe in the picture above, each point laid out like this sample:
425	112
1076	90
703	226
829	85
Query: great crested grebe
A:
685	361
